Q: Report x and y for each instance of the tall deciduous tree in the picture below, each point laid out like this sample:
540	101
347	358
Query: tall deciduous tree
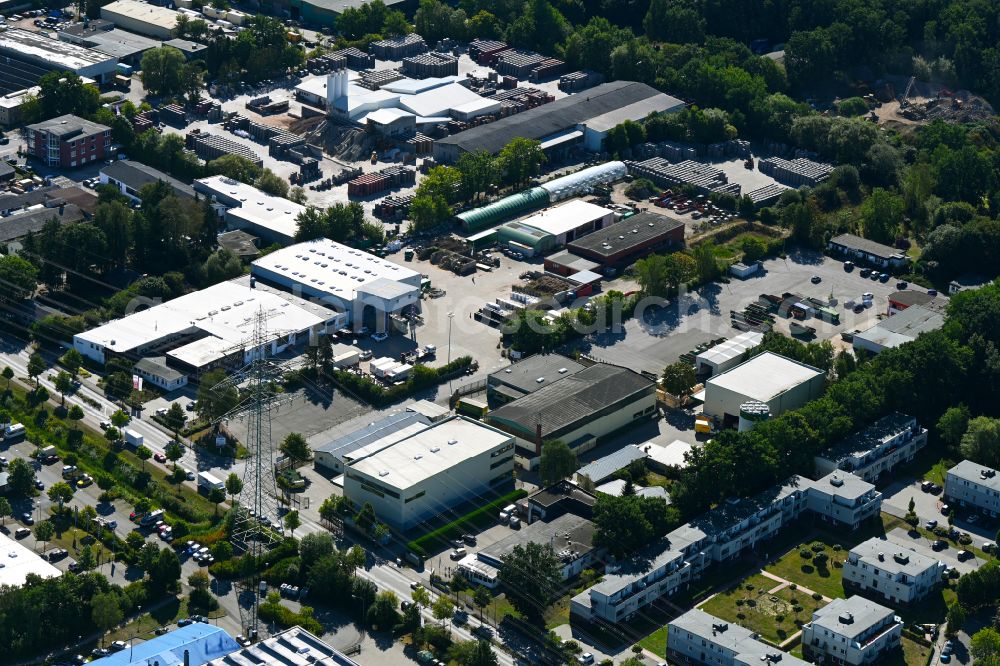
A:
557	462
532	577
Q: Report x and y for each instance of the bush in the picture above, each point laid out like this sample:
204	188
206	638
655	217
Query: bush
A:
837	564
286	617
820	560
817	547
805	554
817	596
836	547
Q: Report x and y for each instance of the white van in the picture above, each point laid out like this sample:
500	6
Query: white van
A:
13	431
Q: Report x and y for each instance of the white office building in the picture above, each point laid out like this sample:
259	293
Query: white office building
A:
366	288
851	632
779	382
880	568
876	450
432	471
207	328
972	485
699	638
275	219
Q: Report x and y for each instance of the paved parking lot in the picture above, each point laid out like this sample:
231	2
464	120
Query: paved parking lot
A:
927	506
658	335
922	545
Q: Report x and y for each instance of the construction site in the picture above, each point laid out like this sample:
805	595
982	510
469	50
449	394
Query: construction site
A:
912	102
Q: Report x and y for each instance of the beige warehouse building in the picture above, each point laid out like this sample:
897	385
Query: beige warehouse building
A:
142	19
779	382
431	472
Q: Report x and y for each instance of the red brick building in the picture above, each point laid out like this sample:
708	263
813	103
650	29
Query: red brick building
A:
633	238
67	141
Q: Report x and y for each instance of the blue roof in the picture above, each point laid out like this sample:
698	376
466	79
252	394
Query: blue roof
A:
202	642
604	467
371	433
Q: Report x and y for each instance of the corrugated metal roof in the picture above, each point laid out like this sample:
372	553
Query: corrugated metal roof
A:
202	642
572	399
478	219
602	468
548	119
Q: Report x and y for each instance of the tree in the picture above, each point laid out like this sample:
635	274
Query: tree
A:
955	618
87	560
520	159
482	598
478	172
44	532
175	419
382	612
981	441
532	577
199	580
292	521
166	569
429	211
233	485
753	249
36	366
174	452
7	374
365	518
5	510
679	378
558	461
63	384
882	215
236	167
62	93
163	71
20	478
272	183
679	268
215	396
443	609
706	267
651	274
119	420
18	278
60	492
215	496
144	453
953	424
105	611
985	644
295	447
421	596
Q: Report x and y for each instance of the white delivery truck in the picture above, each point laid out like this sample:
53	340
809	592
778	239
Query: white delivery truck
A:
13	431
133	439
208	482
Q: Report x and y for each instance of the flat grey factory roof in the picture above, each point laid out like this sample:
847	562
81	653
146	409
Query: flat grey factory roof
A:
37	45
157	365
580	531
20	224
903	327
524	374
573	398
372	432
136	174
658	104
338	6
604	467
68	125
553	117
628	233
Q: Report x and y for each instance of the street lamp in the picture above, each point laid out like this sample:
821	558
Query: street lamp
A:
131	642
361	598
451	316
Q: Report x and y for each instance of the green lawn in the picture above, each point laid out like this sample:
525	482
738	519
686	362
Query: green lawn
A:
144	626
912	654
656	642
826	579
774	616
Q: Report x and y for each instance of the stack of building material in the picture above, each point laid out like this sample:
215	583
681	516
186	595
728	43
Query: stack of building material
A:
547	69
577	81
173	114
393	207
354	57
367	184
211	146
430	64
375	79
397	48
485	51
419	144
704	177
800	171
518	63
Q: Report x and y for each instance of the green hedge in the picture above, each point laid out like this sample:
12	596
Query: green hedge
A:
475	518
286	617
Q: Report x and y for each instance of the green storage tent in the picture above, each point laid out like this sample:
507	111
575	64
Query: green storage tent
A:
539	241
478	219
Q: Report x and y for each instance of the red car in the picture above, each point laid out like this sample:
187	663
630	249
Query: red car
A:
159	457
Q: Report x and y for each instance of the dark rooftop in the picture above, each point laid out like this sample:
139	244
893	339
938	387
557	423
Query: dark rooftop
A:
572	400
136	174
570	537
553	117
860	244
68	126
561	492
239	243
523	376
627	234
910	297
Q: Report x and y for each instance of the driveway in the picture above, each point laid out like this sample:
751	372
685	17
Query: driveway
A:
922	545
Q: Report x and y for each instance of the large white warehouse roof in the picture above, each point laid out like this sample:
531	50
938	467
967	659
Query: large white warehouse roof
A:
765	376
431	451
256	208
225	311
327	266
567	217
19	561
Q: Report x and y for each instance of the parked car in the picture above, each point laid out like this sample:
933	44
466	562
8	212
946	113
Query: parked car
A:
27	519
815	279
926	486
902	284
159	457
458	553
118	646
939	544
380	336
184	621
189	475
21	532
972	519
469	539
586	658
931	524
865	272
964	555
100	652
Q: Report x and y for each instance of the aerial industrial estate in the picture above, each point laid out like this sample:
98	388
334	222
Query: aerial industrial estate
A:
377	333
